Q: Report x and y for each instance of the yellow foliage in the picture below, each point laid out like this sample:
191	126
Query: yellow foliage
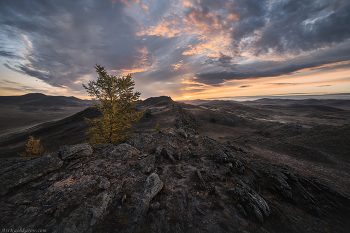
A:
116	102
33	148
158	128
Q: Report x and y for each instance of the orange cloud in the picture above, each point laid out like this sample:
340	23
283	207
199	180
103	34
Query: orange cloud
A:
167	28
214	45
213	31
145	7
186	3
178	65
126	2
233	17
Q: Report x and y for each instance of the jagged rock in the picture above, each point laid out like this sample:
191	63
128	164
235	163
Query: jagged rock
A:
147	164
23	172
155	205
200	176
151	187
241	170
159	150
242	150
229	166
231	146
209	143
56	200
172	133
76	151
140	140
220	156
183	119
182	133
167	151
123	151
253	203
331	190
72	190
88	214
104	167
278	181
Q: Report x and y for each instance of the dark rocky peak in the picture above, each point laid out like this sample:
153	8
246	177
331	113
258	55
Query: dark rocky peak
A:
34	95
172	181
157	101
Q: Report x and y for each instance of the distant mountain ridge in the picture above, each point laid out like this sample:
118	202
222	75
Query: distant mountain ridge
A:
341	104
41	100
334	103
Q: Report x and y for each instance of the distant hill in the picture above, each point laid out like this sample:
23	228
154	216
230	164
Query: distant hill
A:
18	113
334	103
41	100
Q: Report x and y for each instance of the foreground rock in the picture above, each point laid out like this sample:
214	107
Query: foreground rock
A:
174	181
21	173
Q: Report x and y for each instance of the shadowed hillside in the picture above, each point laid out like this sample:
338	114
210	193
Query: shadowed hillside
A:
18	113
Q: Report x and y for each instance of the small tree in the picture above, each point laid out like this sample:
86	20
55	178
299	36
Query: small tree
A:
116	102
158	128
33	148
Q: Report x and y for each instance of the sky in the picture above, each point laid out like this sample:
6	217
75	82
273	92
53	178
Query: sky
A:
186	49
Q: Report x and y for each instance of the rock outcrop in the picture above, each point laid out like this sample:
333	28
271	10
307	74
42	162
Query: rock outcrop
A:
173	181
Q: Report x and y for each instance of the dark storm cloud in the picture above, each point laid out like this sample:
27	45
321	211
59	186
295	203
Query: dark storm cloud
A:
219	78
296	26
8	54
289	26
258	70
223	60
69	38
252	16
280	27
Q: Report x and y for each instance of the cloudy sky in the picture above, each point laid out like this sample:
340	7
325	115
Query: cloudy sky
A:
186	49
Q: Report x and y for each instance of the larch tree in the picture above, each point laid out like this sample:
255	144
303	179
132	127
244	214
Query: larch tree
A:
33	148
116	102
158	128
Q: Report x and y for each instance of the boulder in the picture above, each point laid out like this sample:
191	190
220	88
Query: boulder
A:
151	187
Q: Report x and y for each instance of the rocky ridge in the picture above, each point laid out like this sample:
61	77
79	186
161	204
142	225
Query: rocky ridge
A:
172	181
